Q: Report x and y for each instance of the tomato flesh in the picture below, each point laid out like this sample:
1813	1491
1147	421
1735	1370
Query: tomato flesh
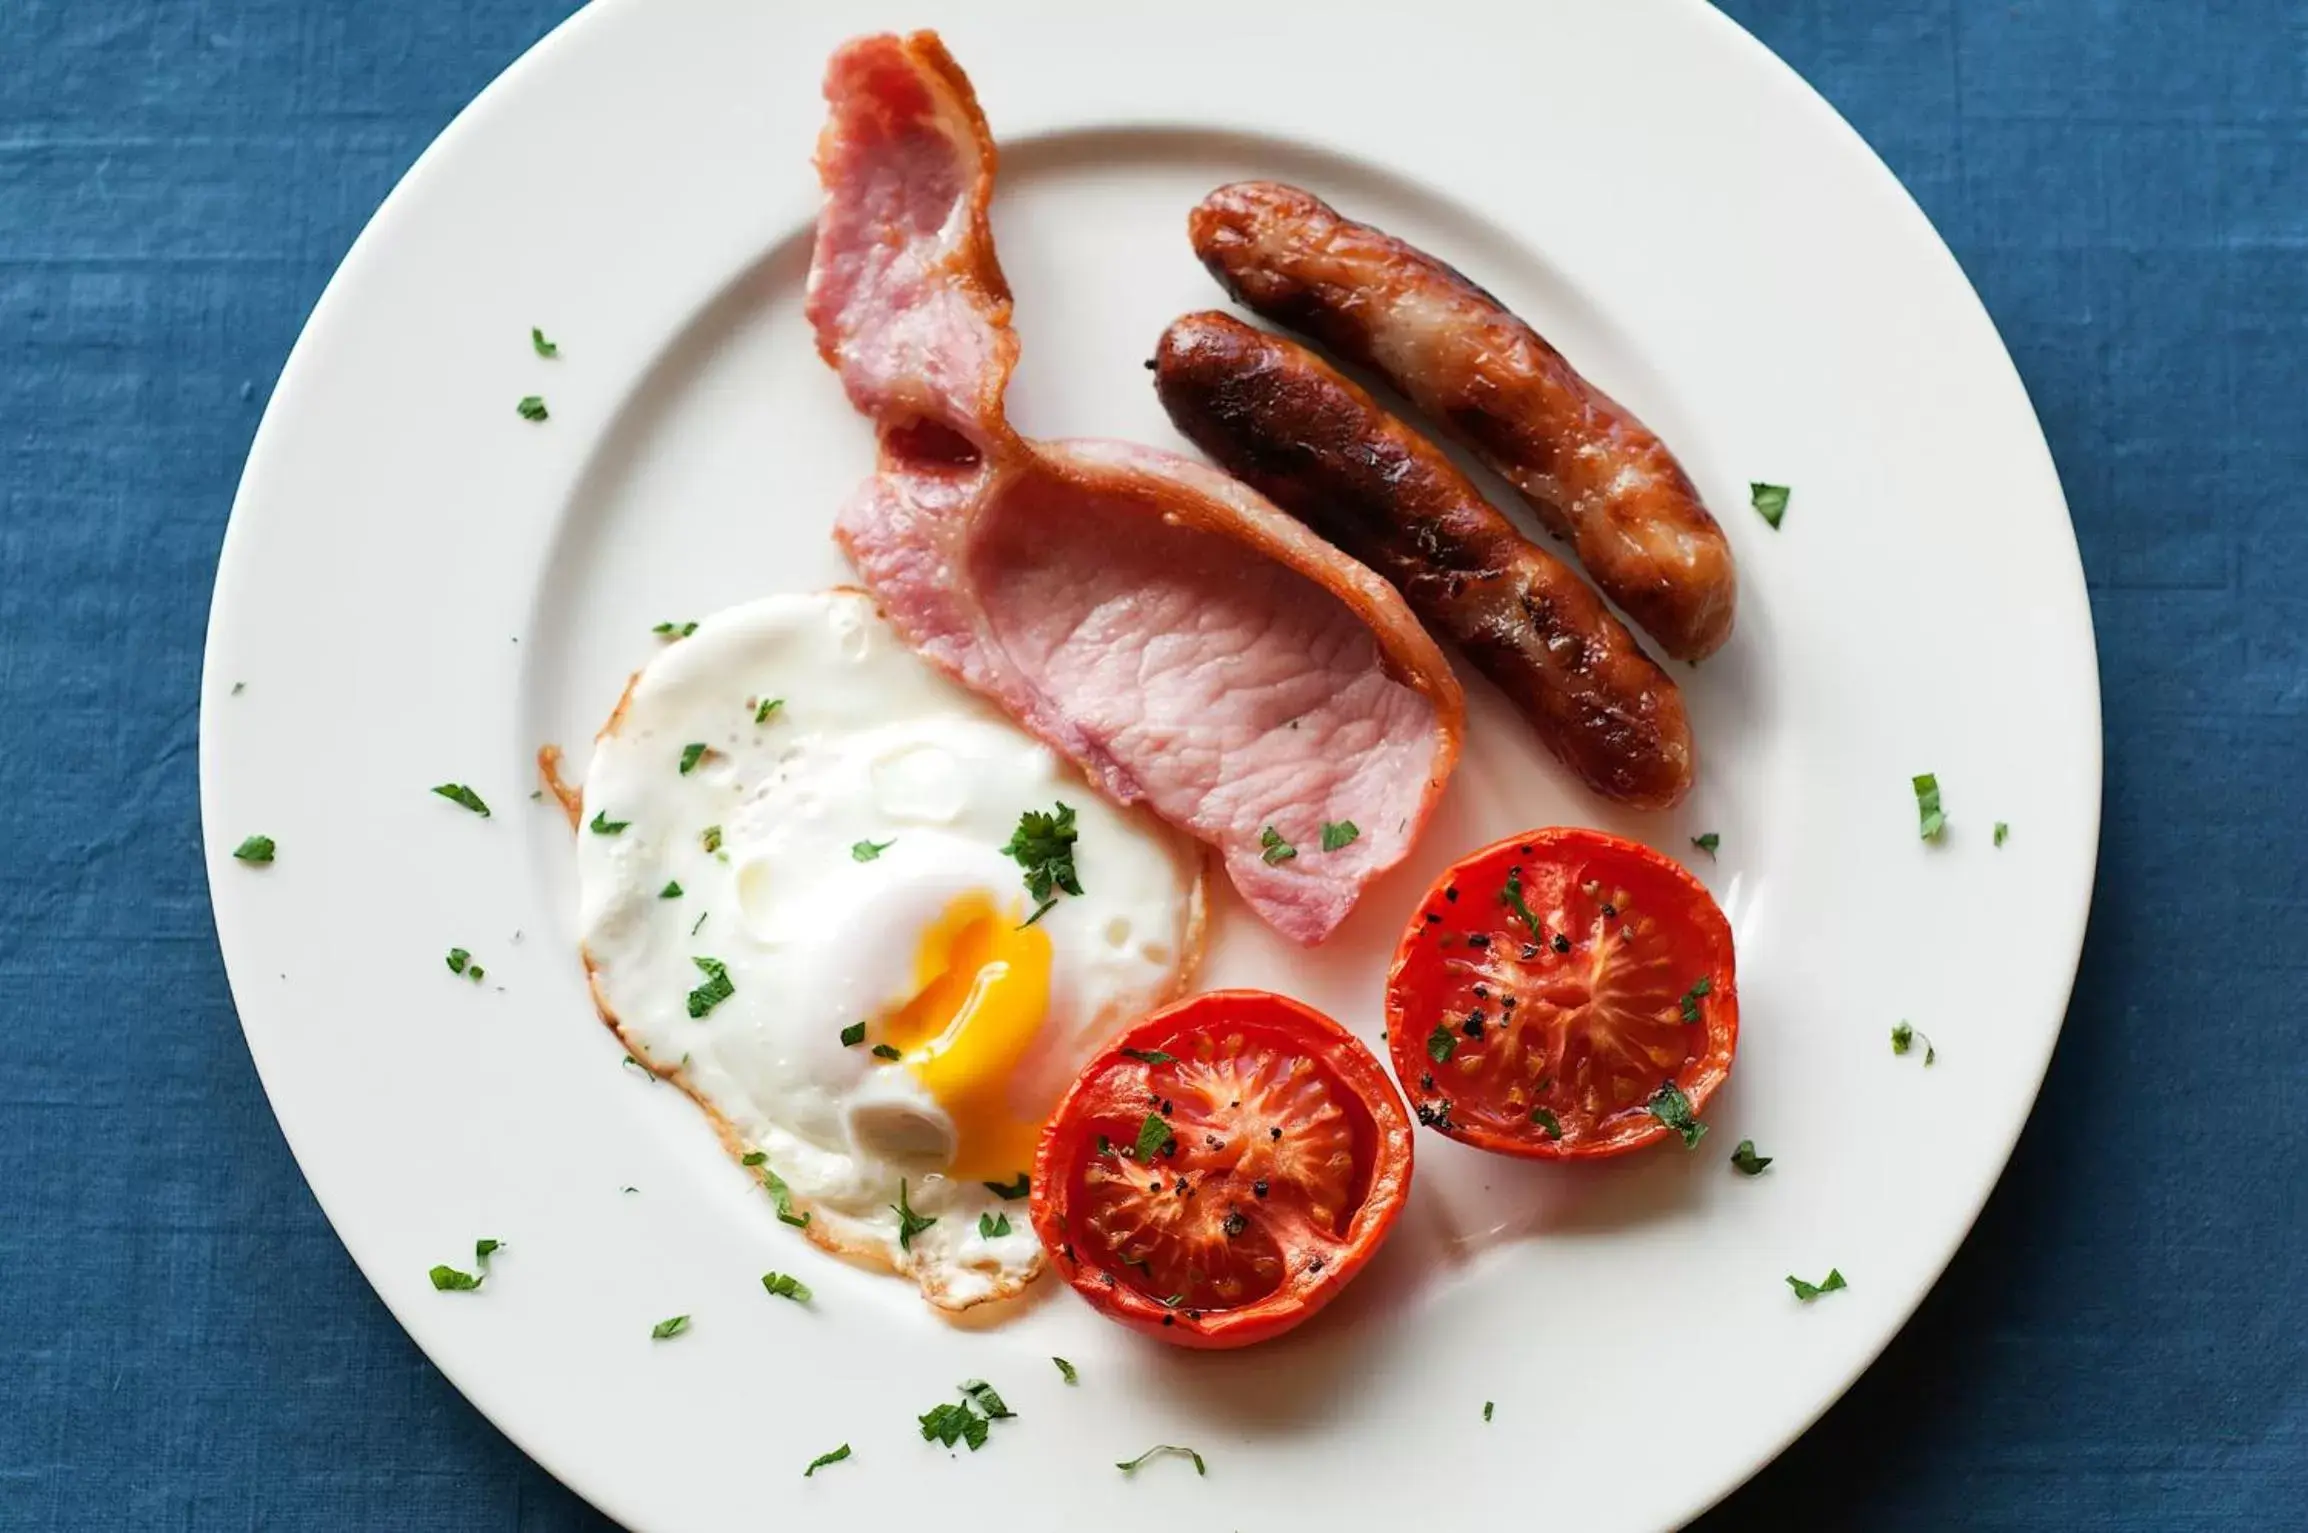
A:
1555	992
1219	1171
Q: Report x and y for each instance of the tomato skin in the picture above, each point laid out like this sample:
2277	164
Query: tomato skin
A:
1360	1105
1470	897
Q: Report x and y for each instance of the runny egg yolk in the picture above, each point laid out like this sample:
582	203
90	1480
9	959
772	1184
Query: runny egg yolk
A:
982	984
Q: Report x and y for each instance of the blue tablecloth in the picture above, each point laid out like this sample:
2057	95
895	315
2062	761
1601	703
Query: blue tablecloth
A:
183	1343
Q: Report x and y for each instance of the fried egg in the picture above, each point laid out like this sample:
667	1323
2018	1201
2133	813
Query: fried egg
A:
803	861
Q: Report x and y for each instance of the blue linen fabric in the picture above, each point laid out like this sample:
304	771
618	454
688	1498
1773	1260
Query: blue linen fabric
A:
183	1343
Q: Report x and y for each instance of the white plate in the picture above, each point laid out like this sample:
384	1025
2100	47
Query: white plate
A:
419	586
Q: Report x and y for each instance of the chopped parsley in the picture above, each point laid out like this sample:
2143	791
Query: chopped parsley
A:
867	851
691	754
993	1226
1339	834
674	630
987	1401
532	407
2002	832
1154	1137
853	1035
1066	1370
459	960
823	1459
668	1328
785	1285
1903	1038
1927	808
1441	1043
1150	1056
1130	1466
1700	988
1273	848
671	891
1748	1162
450	1280
1010	1191
1546	1120
604	826
710	838
769	705
779	1194
885	1051
1769	500
946	1425
1512	897
256	849
1486	1410
1671	1107
910	1223
1043	845
714	991
695	925
1708	842
543	347
1809	1291
458	793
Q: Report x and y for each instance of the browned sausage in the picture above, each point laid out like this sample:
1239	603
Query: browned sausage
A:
1289	425
1591	471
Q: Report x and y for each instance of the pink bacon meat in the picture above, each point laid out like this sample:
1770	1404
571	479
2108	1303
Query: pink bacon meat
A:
1185	642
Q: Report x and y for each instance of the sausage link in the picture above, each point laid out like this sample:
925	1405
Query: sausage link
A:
1289	425
1592	472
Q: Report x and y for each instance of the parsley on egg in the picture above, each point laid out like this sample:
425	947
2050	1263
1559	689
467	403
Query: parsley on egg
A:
910	1223
716	989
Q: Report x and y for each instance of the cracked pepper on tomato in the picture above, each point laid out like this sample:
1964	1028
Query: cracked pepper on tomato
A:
1564	994
1219	1172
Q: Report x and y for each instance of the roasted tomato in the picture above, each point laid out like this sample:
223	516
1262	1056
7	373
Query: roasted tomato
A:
1220	1171
1564	994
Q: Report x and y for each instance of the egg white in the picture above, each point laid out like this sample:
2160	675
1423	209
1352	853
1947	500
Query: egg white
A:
866	746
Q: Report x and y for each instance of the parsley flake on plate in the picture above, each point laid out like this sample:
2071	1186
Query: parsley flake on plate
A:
665	1329
1928	812
910	1223
459	960
823	1459
2002	832
691	754
710	838
1066	1371
1274	848
1809	1291
769	705
1748	1162
532	407
987	1400
1707	843
867	851
785	1285
946	1425
1339	834
1769	501
674	630
1670	1106
543	347
450	1280
716	989
1487	1410
256	849
671	891
1163	1450
458	793
1903	1038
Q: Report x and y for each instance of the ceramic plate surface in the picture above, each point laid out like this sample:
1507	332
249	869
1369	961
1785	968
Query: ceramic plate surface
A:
420	586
